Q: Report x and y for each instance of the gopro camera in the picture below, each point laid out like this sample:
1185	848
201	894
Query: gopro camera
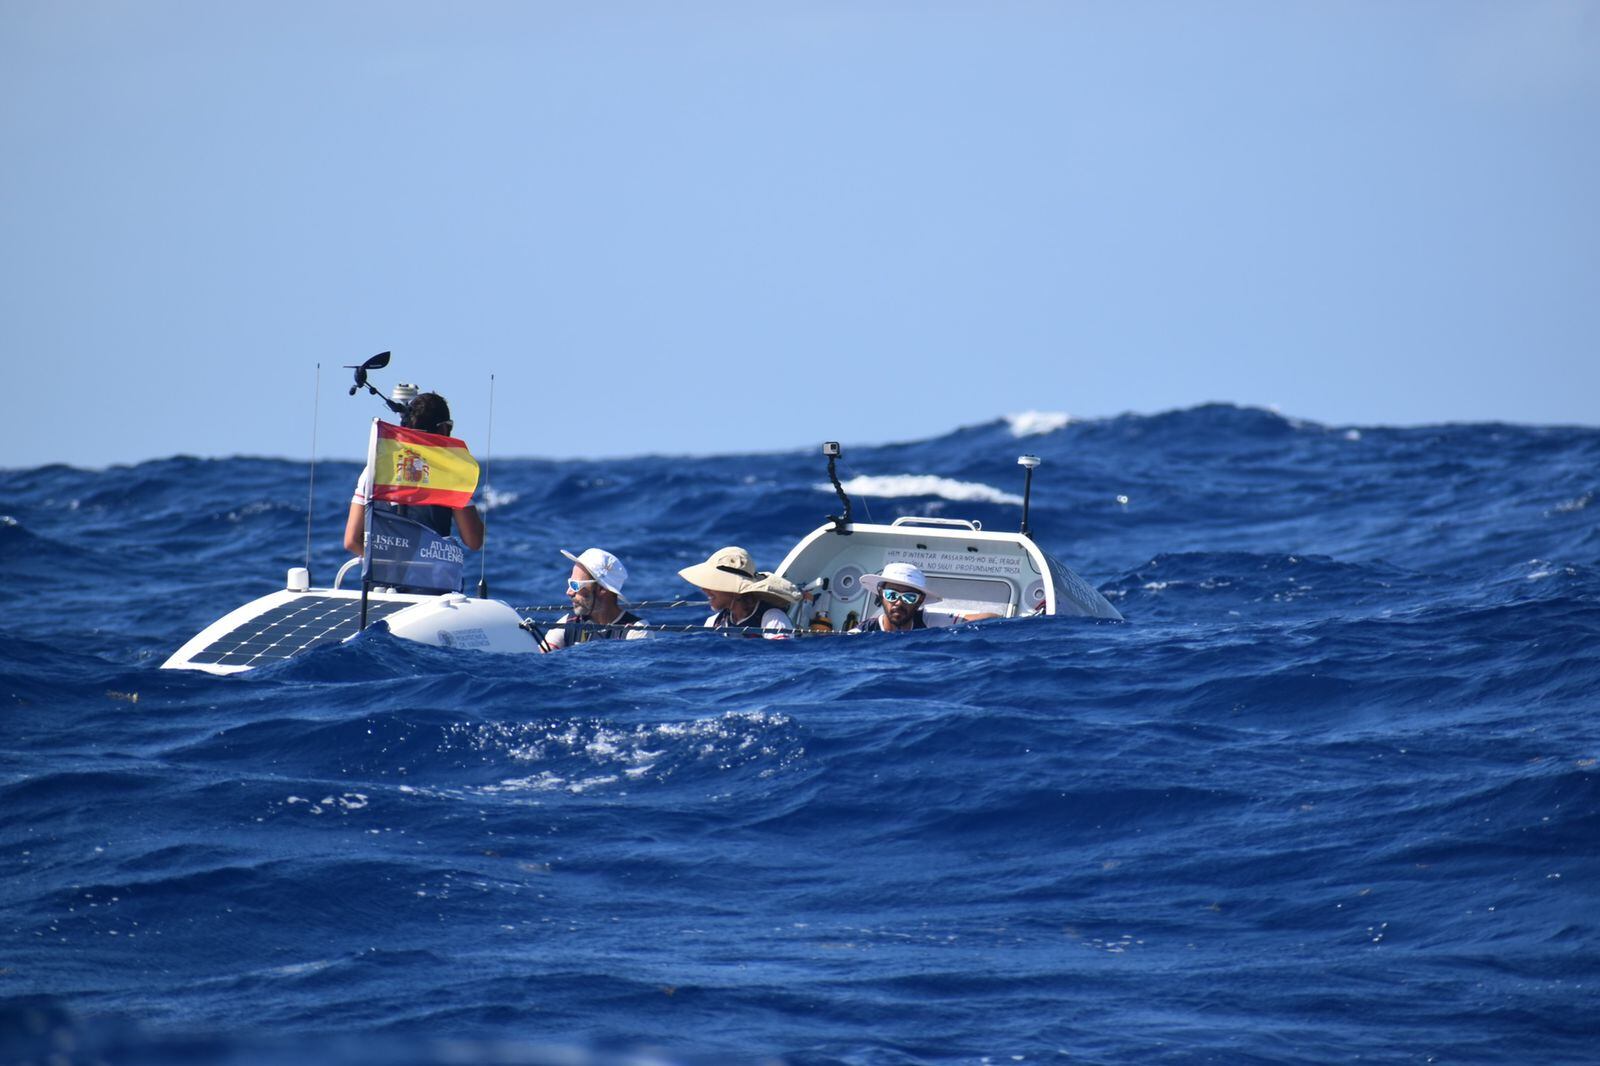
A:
831	449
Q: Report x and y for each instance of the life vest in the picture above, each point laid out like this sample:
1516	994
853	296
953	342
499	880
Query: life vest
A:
581	630
433	516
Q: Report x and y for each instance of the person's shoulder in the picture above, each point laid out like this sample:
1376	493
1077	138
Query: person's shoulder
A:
775	618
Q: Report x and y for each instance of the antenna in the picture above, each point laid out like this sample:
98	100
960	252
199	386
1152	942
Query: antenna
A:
488	451
311	489
1028	461
832	451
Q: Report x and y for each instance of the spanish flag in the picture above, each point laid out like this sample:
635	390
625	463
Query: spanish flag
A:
409	466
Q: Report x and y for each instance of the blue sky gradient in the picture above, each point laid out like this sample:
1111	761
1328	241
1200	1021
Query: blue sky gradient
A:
730	227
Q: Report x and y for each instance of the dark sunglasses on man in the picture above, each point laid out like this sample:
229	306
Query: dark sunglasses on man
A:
895	596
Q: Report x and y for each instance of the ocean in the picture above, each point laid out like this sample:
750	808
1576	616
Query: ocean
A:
1328	794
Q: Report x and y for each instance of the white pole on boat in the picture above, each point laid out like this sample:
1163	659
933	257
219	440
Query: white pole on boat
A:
311	489
488	453
366	523
1029	462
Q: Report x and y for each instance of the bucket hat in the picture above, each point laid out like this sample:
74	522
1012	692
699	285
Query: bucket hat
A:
602	566
731	570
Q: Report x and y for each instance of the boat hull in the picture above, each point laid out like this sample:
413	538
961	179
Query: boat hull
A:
287	623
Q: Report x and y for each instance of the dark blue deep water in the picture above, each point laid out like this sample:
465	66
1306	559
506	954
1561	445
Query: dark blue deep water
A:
1329	794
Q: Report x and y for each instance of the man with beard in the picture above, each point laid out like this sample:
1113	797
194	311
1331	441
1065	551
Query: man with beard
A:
902	592
597	612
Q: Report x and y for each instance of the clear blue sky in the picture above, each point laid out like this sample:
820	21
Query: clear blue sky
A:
701	227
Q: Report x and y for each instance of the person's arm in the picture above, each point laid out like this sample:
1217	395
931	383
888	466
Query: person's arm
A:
555	636
354	527
775	625
469	523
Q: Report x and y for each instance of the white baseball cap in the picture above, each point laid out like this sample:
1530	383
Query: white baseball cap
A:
602	566
900	574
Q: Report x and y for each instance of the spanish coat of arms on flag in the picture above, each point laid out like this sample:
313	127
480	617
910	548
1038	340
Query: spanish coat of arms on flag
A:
413	467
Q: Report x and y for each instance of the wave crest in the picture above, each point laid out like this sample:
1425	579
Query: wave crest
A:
1037	423
897	485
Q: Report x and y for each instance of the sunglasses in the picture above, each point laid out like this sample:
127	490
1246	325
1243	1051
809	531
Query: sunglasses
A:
895	596
573	584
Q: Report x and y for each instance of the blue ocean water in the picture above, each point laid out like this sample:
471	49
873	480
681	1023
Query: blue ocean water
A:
1330	793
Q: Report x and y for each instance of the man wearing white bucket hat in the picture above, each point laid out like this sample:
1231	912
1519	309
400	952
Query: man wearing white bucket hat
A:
742	596
902	592
595	589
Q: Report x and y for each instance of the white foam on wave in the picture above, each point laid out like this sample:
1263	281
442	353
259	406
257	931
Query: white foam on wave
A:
619	753
894	485
1542	569
1037	423
493	498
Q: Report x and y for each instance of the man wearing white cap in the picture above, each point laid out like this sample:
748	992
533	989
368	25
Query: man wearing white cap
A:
902	591
595	589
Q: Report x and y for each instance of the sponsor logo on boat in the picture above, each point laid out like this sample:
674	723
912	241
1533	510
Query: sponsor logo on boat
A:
464	638
442	551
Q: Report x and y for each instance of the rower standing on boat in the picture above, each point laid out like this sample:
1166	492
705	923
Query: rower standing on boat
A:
595	589
429	413
741	596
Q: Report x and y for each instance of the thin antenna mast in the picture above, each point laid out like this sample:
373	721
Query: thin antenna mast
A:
1028	462
488	453
311	488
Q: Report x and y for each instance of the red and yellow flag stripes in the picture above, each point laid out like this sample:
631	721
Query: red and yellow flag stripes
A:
409	466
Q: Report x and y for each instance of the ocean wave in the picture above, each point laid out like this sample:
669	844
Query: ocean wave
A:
1340	761
923	485
1036	423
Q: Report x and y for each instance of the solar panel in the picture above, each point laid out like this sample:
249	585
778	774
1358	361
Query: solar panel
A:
290	628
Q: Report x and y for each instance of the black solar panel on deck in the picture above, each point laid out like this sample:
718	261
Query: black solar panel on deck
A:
290	628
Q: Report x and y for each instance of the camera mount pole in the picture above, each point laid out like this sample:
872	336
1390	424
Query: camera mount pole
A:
832	451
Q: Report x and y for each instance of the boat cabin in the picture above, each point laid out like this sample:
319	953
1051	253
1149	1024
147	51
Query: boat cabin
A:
970	569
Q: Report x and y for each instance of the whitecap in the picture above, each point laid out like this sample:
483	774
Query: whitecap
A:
1036	423
493	498
894	485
